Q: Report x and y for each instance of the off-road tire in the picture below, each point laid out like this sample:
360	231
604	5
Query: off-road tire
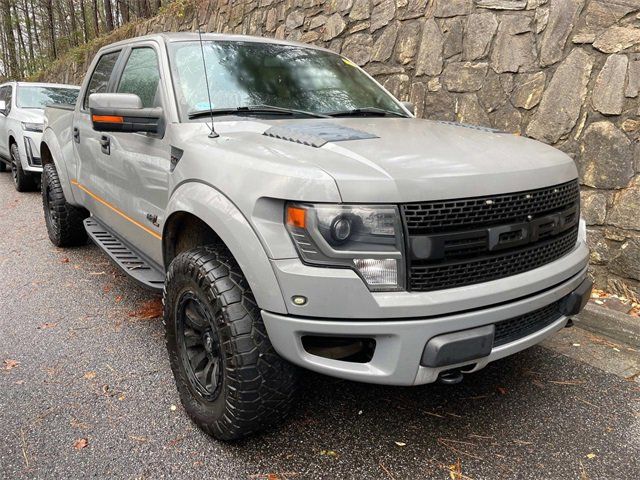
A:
23	181
64	221
257	386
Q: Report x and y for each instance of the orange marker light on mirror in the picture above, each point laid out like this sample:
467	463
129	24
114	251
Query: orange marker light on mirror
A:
107	119
296	217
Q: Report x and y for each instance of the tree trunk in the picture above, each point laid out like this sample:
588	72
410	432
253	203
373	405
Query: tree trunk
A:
85	23
7	26
96	23
108	15
52	29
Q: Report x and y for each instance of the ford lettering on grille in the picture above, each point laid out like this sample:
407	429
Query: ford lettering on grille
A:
501	237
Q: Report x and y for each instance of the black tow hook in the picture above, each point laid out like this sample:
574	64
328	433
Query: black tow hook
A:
569	323
450	377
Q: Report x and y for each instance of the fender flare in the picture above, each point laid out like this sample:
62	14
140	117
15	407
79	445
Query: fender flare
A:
228	222
50	141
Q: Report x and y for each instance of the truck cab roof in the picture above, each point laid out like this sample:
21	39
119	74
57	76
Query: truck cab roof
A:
172	37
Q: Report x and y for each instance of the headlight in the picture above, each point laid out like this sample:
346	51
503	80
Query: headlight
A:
367	239
33	127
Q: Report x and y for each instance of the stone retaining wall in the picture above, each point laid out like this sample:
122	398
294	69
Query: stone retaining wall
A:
566	72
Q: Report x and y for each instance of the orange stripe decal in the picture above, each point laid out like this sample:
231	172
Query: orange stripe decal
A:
107	119
119	212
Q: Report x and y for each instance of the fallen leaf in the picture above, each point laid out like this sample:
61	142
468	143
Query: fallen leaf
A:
118	298
65	260
329	453
46	325
9	364
400	444
90	375
148	310
591	455
455	470
502	390
80	443
106	289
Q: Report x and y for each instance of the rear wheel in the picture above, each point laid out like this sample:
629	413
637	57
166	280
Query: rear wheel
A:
231	381
64	221
21	179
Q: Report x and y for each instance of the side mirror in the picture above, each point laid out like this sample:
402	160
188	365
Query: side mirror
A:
409	106
123	112
3	107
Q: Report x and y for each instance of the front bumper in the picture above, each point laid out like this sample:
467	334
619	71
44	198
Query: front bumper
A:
400	344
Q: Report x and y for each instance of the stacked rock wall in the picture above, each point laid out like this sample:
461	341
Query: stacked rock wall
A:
566	72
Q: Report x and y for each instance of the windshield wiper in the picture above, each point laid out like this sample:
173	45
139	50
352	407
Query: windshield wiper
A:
366	112
251	109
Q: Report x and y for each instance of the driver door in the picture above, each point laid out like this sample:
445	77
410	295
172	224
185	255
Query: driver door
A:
142	160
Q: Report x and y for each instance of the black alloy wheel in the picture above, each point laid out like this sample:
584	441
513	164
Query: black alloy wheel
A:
199	347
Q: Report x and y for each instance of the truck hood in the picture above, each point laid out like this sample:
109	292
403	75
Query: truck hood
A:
410	160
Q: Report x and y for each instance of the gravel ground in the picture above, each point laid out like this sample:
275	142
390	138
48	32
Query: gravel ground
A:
89	367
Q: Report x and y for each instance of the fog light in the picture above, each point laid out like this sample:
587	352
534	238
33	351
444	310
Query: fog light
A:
299	300
378	272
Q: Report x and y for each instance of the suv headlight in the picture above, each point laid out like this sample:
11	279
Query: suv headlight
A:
365	238
33	127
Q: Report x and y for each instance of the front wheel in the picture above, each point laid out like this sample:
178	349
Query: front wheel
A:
230	380
23	181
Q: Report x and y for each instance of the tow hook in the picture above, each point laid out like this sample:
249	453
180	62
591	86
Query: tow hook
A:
450	377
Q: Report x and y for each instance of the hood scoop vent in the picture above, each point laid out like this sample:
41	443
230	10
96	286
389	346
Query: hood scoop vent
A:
316	134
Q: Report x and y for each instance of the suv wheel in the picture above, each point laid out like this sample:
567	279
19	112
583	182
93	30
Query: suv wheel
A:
64	221
230	380
21	179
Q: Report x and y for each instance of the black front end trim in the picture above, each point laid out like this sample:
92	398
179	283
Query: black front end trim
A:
476	343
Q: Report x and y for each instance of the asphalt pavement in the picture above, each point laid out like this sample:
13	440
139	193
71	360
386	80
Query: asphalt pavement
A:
86	391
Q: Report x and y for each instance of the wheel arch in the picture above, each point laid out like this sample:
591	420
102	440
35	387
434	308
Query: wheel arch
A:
50	152
198	214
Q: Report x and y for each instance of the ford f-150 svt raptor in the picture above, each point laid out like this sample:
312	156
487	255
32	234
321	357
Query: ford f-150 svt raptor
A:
297	215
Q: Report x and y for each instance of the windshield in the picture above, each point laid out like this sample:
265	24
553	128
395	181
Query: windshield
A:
40	97
244	74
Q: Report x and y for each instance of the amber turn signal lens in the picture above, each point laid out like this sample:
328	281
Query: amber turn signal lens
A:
107	119
296	217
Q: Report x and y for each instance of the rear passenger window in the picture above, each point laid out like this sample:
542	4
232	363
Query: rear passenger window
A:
101	75
141	76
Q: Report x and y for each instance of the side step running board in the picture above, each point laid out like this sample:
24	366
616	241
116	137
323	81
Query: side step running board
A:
132	263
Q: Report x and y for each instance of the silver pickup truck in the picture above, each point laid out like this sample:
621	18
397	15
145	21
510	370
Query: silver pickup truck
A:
295	214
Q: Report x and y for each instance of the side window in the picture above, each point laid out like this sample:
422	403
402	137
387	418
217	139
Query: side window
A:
141	76
5	94
100	76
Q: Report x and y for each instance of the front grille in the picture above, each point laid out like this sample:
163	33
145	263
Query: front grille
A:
468	213
426	278
513	329
455	243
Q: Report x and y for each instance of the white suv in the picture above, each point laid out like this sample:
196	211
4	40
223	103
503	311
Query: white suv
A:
21	124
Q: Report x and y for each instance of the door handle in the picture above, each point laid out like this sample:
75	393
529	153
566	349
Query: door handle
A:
105	143
76	135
